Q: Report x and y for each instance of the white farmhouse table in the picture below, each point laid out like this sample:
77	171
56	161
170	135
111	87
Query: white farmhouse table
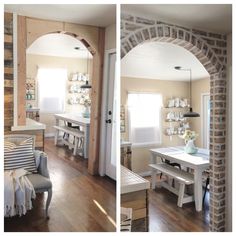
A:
80	121
199	162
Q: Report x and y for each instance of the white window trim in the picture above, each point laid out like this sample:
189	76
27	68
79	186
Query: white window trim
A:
202	117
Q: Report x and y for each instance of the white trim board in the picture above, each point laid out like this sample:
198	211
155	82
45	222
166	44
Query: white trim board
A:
102	153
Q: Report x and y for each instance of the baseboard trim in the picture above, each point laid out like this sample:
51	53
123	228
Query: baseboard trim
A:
49	135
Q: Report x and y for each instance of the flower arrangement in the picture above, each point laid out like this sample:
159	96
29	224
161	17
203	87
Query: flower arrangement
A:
189	135
87	102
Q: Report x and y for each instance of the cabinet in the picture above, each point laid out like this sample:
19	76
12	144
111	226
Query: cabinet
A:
33	113
134	194
172	115
126	154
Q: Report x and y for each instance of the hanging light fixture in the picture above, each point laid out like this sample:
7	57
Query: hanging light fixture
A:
190	113
86	85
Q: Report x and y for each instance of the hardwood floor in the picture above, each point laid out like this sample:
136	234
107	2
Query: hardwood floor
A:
80	202
166	216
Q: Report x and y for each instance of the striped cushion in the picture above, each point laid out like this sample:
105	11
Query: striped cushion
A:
19	155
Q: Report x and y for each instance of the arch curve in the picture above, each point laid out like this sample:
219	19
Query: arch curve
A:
85	42
178	36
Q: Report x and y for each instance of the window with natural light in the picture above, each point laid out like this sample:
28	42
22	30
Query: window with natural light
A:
144	111
52	89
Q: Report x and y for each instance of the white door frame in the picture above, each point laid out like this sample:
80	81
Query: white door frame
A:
102	152
202	117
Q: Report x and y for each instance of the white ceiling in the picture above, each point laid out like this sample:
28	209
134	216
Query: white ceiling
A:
212	17
92	14
58	45
156	60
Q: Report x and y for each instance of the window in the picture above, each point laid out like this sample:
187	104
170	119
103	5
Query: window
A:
144	110
51	89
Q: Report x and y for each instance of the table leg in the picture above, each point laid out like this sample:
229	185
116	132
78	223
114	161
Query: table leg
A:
86	142
154	172
154	177
56	133
198	189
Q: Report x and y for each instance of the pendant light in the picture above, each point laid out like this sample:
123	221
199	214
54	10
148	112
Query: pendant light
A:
190	113
86	85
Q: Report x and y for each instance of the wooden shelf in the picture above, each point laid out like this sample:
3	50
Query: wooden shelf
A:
175	107
174	121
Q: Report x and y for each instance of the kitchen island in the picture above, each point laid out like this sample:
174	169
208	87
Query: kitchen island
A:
134	194
31	127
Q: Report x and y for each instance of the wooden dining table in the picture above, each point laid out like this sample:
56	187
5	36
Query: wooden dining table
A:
78	120
199	162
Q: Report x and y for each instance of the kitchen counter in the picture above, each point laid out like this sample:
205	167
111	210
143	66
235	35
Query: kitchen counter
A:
30	125
131	182
125	143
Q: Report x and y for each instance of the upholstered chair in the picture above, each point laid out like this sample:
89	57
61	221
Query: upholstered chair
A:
40	180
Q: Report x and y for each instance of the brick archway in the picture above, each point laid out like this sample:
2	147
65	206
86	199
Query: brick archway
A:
215	66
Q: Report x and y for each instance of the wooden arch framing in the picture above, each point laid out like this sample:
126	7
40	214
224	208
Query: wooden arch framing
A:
30	29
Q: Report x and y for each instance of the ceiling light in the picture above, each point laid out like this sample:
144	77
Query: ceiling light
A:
86	85
190	113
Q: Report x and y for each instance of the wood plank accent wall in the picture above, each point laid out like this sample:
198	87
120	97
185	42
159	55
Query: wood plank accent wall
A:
8	71
21	69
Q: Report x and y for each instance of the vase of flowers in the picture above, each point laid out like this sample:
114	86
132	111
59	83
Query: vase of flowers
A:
189	137
87	104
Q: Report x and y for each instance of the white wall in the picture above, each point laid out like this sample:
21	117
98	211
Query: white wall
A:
110	37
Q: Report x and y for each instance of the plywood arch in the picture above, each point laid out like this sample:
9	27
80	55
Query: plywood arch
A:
29	29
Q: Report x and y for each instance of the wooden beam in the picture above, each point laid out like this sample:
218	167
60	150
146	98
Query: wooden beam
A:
96	97
21	69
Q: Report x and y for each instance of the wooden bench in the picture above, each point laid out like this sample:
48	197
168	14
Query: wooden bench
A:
182	177
76	133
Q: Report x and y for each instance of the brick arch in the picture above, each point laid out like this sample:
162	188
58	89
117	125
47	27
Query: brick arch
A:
217	70
178	36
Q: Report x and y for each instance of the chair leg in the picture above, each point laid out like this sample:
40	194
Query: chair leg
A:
207	183
75	145
56	137
48	201
181	194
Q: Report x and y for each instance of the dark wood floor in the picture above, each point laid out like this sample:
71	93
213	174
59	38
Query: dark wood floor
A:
80	202
166	216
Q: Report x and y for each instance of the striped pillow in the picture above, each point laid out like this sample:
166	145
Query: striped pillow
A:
19	155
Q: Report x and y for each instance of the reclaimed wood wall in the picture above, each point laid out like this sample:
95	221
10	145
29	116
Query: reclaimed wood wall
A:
8	72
